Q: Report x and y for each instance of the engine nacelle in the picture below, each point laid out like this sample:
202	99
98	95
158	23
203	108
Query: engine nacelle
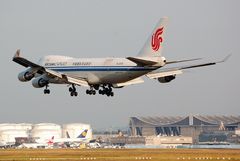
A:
166	79
39	82
25	76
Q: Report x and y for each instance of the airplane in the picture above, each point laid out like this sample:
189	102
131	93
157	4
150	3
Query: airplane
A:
47	141
73	142
39	143
104	74
4	144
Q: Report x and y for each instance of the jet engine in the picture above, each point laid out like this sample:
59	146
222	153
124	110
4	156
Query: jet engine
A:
25	76
166	79
40	82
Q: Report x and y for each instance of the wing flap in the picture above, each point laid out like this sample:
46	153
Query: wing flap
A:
131	82
164	73
68	79
56	74
79	82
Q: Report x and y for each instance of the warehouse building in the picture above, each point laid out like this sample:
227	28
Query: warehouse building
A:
191	125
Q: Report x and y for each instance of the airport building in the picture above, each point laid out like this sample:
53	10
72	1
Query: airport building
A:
191	126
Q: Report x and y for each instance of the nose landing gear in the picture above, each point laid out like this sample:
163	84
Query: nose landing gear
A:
46	90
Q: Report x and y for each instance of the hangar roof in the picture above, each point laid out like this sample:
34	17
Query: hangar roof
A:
185	120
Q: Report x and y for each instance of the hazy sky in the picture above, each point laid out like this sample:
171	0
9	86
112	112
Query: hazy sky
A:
102	28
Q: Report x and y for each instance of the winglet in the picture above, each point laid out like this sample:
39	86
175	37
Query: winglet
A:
17	54
225	59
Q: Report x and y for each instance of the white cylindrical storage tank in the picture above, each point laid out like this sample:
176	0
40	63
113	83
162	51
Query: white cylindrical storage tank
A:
9	131
75	129
45	131
21	126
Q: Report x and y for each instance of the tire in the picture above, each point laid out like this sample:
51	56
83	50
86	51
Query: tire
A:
75	93
90	92
112	94
87	91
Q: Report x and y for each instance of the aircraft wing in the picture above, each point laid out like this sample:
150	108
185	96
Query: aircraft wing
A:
179	70
41	70
24	62
66	78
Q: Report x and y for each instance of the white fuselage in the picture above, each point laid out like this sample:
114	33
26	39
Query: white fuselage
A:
71	140
96	70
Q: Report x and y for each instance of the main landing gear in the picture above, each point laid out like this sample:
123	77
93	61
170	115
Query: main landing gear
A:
72	90
91	91
106	90
46	90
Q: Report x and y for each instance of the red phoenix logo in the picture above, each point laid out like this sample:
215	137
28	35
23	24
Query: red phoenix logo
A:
157	39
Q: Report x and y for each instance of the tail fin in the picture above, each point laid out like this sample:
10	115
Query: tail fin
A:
50	141
83	134
153	46
68	136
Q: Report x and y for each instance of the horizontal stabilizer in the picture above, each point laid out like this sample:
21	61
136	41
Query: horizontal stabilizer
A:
144	61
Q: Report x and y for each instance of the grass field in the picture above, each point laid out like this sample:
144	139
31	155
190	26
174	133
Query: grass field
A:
120	154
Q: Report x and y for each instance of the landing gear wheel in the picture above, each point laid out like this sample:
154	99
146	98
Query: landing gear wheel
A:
46	91
111	94
91	91
75	93
87	91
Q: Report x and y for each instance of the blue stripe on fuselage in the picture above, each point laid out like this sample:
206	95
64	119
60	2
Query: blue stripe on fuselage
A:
100	68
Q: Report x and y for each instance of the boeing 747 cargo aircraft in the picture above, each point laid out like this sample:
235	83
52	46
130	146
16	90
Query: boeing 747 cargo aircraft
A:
104	74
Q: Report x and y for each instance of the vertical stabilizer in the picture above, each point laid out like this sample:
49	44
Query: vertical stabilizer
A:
68	136
83	134
153	46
